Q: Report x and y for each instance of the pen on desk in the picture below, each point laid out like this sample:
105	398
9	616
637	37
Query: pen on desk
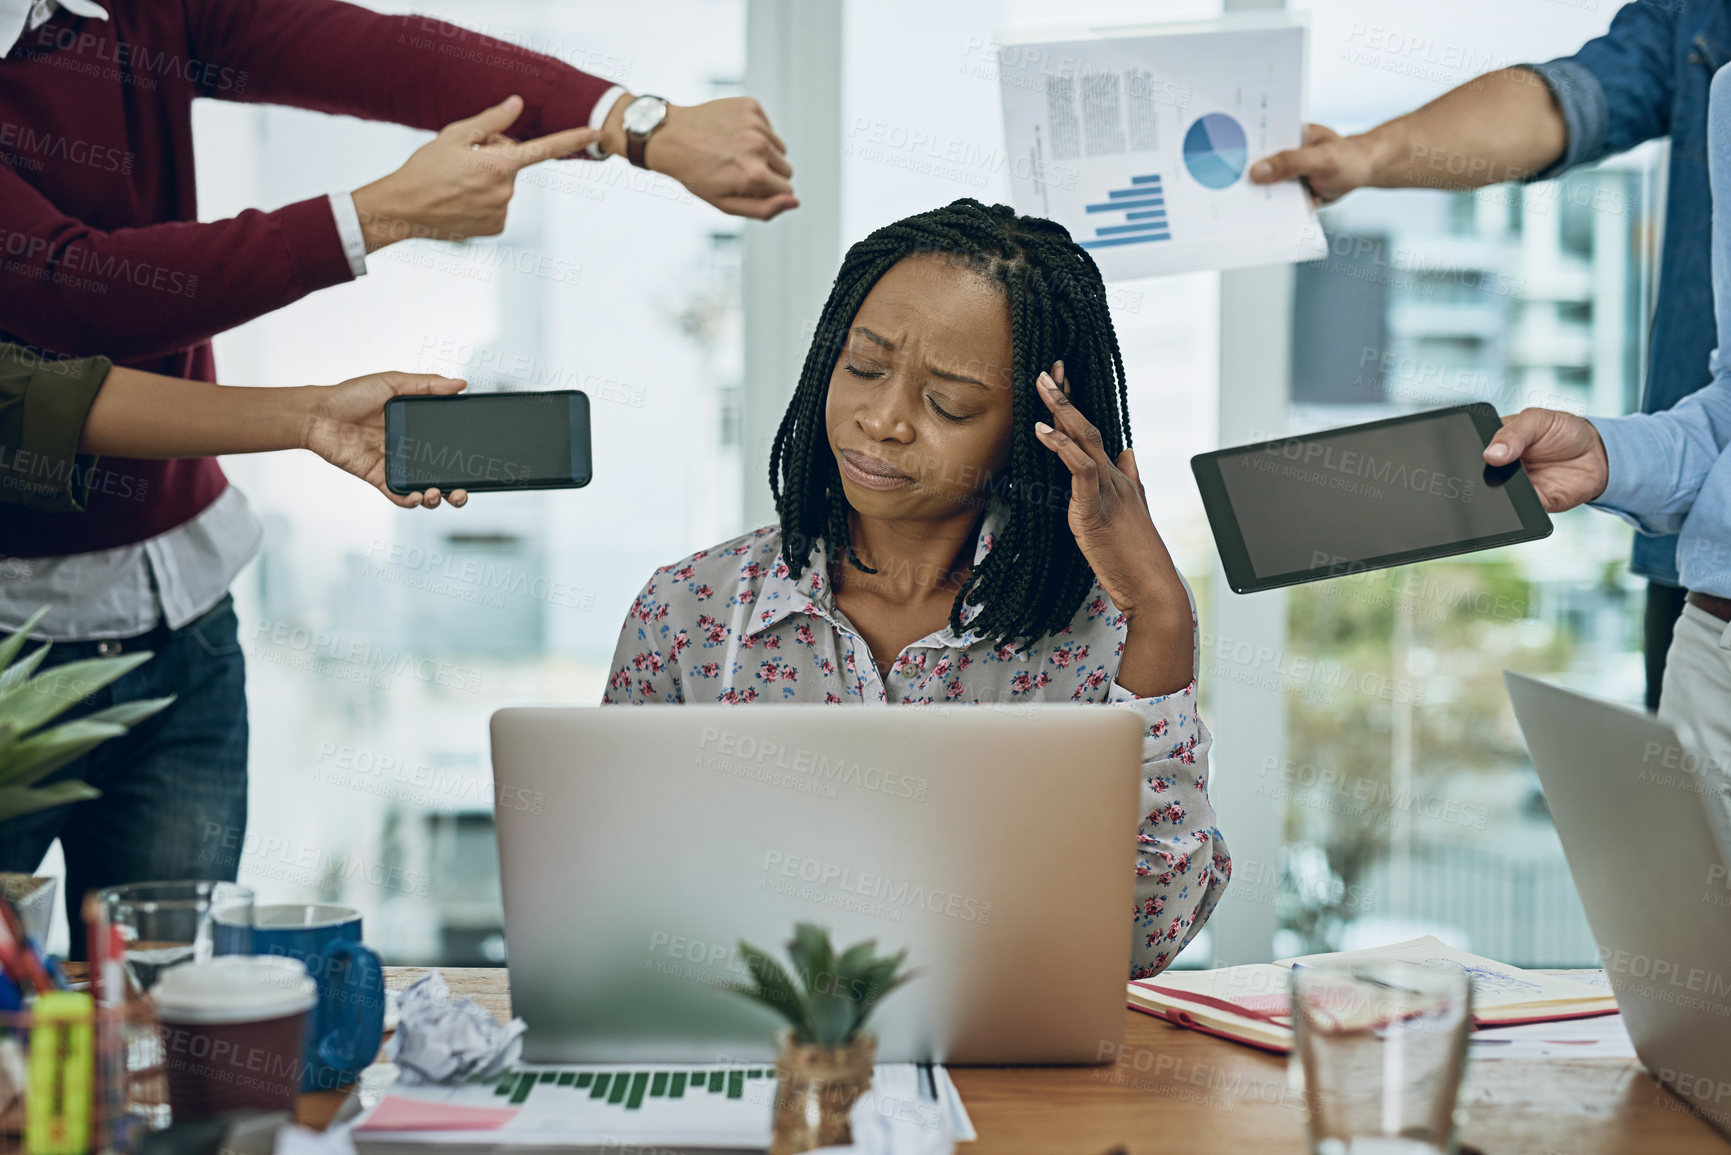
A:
928	1082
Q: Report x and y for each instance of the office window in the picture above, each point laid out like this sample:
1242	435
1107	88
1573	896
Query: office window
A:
380	640
1409	804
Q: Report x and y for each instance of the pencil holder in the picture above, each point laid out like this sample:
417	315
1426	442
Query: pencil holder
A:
76	1078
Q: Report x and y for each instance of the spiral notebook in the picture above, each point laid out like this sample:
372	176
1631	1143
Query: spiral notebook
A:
1250	1004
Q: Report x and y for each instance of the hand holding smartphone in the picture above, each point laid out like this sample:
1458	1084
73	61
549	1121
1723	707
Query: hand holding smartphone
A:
488	442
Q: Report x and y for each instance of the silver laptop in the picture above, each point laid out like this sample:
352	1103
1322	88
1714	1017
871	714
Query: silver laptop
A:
1631	805
639	845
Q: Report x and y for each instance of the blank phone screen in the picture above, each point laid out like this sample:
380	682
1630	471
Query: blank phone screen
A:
1353	495
500	439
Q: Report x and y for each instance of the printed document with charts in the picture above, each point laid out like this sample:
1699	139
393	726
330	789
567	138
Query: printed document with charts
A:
1138	139
1250	1004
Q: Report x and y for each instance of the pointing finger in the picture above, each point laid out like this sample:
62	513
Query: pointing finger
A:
488	121
555	144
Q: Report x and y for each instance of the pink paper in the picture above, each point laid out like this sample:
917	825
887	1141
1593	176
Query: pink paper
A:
397	1113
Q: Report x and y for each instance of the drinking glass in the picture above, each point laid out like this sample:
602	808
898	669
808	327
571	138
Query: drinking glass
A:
1383	1048
167	923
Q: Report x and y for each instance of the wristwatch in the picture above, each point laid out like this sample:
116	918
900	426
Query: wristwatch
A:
642	117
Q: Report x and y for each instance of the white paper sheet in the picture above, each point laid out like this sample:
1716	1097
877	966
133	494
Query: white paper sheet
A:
647	1105
1138	139
1600	1037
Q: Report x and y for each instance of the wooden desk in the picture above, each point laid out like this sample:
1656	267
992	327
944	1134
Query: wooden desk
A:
1181	1092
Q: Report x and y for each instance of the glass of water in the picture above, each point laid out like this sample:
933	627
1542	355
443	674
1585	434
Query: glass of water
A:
1383	1049
164	924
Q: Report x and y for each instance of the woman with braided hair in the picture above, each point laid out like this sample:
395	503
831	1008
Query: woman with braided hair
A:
961	521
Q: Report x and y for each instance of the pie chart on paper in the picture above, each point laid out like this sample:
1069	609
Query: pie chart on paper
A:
1215	150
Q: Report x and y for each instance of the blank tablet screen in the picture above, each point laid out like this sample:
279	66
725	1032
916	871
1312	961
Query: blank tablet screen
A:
1365	496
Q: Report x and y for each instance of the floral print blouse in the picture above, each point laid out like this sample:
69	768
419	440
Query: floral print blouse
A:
730	624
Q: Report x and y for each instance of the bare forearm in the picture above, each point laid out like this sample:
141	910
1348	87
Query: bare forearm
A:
1502	126
145	415
1158	652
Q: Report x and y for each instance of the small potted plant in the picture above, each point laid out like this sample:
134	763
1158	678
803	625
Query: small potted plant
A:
29	701
824	1056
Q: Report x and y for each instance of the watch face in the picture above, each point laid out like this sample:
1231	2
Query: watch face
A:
644	115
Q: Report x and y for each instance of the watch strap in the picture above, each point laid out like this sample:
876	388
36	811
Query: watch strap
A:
635	146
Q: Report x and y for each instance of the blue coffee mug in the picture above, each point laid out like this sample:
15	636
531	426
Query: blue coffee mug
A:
349	1021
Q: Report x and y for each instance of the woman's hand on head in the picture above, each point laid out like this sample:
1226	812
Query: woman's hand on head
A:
1108	512
346	427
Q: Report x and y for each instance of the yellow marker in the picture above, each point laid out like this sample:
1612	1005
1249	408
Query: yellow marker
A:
59	1098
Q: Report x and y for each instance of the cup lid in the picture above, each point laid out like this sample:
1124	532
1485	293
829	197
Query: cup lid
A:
234	989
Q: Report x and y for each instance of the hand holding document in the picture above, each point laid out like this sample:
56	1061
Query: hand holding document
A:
1137	139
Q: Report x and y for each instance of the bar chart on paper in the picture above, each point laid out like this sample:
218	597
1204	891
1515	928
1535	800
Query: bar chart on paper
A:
1138	215
720	1106
1139	144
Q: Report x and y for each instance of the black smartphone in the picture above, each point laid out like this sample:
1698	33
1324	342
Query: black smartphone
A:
1365	497
490	441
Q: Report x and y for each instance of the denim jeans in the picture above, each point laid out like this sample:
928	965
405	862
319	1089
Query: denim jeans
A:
173	787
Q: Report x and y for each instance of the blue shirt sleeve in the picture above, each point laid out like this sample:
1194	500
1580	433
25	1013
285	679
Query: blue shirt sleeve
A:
1660	462
1617	90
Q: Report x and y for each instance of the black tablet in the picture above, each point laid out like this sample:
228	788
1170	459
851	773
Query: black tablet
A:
1364	497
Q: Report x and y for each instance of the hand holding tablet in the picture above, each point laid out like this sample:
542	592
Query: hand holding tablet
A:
1365	497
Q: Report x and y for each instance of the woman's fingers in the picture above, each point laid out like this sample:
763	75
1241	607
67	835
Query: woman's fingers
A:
1069	420
1081	466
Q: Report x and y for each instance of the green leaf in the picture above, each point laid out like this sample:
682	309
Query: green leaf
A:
832	1016
47	695
776	990
879	980
11	646
39	755
19	672
14	803
129	714
811	954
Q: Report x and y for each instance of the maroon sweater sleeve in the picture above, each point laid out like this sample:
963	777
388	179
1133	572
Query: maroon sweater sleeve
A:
138	292
413	70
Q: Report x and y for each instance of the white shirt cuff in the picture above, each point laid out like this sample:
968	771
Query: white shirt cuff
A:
349	232
598	117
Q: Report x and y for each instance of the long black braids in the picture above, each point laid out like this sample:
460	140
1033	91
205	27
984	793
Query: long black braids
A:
1035	578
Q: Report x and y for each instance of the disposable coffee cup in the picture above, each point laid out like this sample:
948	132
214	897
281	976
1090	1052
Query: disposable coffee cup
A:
232	1032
